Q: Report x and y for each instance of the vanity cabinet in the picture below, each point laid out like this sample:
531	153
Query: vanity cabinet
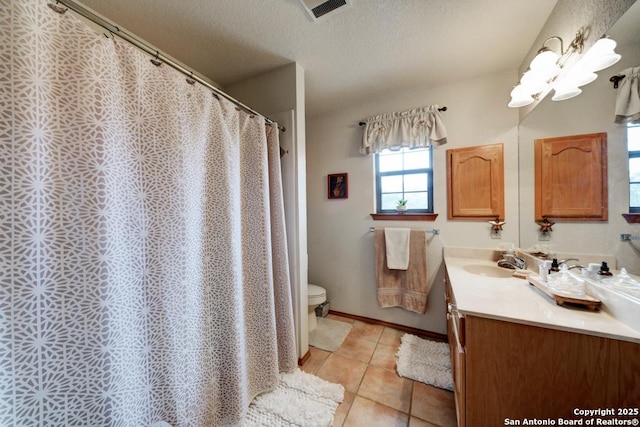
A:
455	328
506	370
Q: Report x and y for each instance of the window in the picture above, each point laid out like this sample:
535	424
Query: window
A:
633	143
404	174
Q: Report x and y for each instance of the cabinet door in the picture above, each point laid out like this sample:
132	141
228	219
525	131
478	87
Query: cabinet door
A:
456	349
571	178
475	186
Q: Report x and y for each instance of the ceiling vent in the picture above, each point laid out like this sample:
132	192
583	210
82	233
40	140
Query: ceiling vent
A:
322	8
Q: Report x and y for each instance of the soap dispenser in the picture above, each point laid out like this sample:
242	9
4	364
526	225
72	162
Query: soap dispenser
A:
604	270
555	267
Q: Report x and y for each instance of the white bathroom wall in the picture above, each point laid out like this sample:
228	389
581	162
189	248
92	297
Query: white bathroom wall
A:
280	95
340	243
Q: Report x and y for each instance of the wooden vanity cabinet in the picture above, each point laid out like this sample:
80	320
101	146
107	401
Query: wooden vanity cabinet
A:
513	371
455	328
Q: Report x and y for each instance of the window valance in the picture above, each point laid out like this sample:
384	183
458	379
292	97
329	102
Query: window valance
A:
628	98
419	127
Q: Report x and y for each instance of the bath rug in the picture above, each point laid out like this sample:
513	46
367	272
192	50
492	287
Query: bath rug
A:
425	361
329	334
301	399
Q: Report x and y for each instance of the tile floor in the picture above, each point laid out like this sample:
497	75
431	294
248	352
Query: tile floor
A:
375	395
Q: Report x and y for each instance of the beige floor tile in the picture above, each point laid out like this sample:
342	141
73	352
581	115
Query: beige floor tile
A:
343	370
367	413
315	360
386	387
339	318
366	331
384	356
433	404
373	390
343	409
417	422
391	336
356	348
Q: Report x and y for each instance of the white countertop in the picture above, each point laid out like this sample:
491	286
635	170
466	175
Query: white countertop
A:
515	300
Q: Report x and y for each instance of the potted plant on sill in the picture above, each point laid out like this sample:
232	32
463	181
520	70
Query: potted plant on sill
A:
402	205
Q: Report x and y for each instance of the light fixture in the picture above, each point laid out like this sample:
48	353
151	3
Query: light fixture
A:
520	97
547	70
562	92
601	55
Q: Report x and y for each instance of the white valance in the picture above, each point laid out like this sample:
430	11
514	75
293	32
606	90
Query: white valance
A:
415	128
628	98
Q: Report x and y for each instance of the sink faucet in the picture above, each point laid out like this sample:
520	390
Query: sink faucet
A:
570	267
510	260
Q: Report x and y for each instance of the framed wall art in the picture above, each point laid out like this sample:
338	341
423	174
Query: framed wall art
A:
338	186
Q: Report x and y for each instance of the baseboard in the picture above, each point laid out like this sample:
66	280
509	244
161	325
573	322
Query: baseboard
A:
414	331
304	358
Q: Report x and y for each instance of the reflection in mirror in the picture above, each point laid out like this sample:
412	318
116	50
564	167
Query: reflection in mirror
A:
591	112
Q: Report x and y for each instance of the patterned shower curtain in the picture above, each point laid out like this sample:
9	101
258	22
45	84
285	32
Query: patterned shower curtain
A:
143	268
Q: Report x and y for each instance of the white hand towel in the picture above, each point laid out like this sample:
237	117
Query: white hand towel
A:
397	248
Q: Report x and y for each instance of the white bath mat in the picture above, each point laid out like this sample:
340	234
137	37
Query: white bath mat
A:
301	399
425	361
329	334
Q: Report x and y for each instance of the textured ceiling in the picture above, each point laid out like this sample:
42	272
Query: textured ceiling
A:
374	48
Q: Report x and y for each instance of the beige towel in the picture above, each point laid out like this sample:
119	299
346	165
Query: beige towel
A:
403	288
397	247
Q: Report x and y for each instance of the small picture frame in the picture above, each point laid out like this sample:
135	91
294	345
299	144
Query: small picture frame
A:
338	186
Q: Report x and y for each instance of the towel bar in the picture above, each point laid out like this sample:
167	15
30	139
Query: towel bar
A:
434	231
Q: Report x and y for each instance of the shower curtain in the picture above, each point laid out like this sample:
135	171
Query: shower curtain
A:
143	268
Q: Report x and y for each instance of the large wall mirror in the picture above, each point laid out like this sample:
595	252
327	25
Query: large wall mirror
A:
591	112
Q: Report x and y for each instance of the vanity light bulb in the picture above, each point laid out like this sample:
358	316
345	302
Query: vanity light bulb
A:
601	55
520	97
580	76
520	102
565	92
534	81
604	46
545	65
544	59
602	62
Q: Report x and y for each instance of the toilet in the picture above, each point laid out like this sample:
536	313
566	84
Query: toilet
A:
316	295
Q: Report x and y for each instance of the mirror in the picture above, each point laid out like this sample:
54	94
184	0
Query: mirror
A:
591	112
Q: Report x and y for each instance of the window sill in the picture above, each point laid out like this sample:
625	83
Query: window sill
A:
404	216
632	218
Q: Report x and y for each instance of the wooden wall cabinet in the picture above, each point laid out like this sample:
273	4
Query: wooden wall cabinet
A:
571	178
475	182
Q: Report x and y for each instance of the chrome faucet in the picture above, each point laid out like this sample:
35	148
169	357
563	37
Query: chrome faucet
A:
510	260
570	267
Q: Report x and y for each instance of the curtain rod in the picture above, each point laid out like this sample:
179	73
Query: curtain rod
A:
157	56
616	79
439	109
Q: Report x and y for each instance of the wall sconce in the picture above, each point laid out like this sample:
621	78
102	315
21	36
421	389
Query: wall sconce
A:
544	70
545	228
496	228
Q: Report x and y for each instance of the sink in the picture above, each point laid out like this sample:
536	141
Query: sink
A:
488	270
621	306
